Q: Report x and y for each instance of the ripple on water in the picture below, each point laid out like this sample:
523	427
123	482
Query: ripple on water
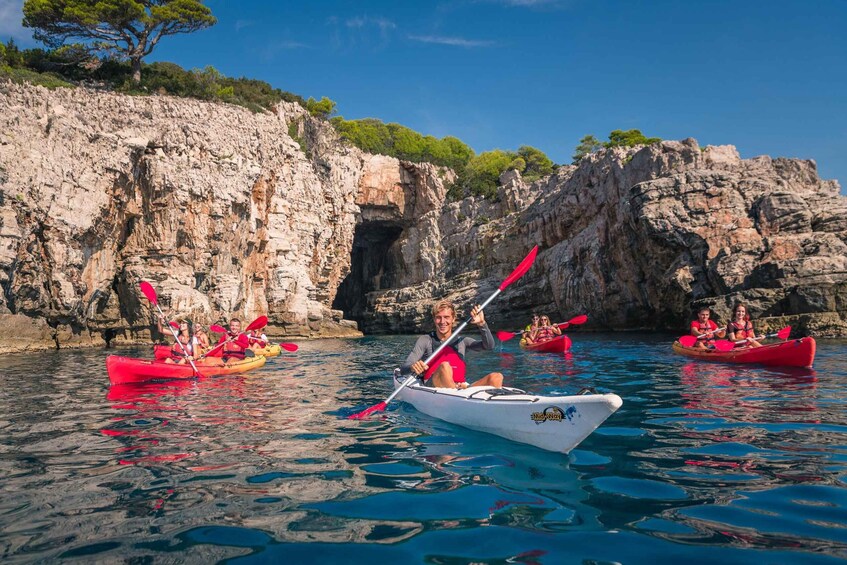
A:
745	463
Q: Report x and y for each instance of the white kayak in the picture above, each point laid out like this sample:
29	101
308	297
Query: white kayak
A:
554	423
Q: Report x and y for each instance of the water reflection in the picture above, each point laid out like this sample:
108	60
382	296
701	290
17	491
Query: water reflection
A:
265	465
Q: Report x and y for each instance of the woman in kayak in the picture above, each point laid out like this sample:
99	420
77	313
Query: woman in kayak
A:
183	348
705	330
200	341
544	332
741	328
257	339
448	369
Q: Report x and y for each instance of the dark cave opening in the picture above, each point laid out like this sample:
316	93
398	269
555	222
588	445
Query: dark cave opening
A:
372	267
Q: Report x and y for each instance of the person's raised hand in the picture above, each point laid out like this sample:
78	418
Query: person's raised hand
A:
477	317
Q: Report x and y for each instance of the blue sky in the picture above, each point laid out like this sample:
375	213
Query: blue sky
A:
766	76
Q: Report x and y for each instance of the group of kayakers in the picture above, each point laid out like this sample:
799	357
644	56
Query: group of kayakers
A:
191	346
539	330
739	329
448	369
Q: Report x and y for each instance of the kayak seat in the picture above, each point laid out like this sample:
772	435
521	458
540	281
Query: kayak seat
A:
504	391
586	390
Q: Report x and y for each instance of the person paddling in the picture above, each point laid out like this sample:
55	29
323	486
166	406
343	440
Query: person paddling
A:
448	369
232	349
741	328
545	331
257	339
526	338
183	349
200	341
705	330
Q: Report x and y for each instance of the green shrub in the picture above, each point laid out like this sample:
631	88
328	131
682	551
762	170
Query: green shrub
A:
322	108
12	56
47	80
374	136
617	138
629	138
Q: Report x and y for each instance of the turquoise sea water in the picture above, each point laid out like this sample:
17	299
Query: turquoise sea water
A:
703	463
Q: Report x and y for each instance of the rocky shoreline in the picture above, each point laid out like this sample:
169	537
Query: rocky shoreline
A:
227	212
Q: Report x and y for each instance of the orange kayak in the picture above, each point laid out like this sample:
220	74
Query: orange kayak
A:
791	353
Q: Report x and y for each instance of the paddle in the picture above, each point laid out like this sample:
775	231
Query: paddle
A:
575	321
726	345
285	346
242	339
516	274
689	340
150	293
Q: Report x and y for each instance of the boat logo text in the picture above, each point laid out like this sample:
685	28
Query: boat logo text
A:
553	414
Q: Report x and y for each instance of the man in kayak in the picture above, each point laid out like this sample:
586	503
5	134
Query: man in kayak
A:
527	332
705	330
448	369
232	349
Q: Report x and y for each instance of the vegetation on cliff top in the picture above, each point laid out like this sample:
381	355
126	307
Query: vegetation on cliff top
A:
617	138
476	175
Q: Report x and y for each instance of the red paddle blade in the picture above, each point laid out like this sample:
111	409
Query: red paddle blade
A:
577	320
505	336
367	411
723	345
289	346
687	340
217	329
174	325
784	332
149	292
259	322
521	269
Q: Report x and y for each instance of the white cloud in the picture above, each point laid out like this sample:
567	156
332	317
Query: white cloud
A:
239	24
366	21
273	48
455	41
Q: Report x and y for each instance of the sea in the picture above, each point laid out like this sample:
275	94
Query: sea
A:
703	463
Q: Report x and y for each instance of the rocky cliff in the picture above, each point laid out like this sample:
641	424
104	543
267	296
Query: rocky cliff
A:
227	212
640	238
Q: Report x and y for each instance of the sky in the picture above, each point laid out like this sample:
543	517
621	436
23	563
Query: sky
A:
768	76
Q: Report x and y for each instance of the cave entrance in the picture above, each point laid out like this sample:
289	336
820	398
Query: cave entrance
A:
372	267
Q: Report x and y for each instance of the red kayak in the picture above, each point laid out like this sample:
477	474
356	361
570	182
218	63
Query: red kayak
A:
131	370
558	344
791	353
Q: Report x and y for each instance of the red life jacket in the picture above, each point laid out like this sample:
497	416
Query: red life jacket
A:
746	329
452	357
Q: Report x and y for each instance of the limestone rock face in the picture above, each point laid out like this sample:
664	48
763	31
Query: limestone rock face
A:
219	208
640	238
226	212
